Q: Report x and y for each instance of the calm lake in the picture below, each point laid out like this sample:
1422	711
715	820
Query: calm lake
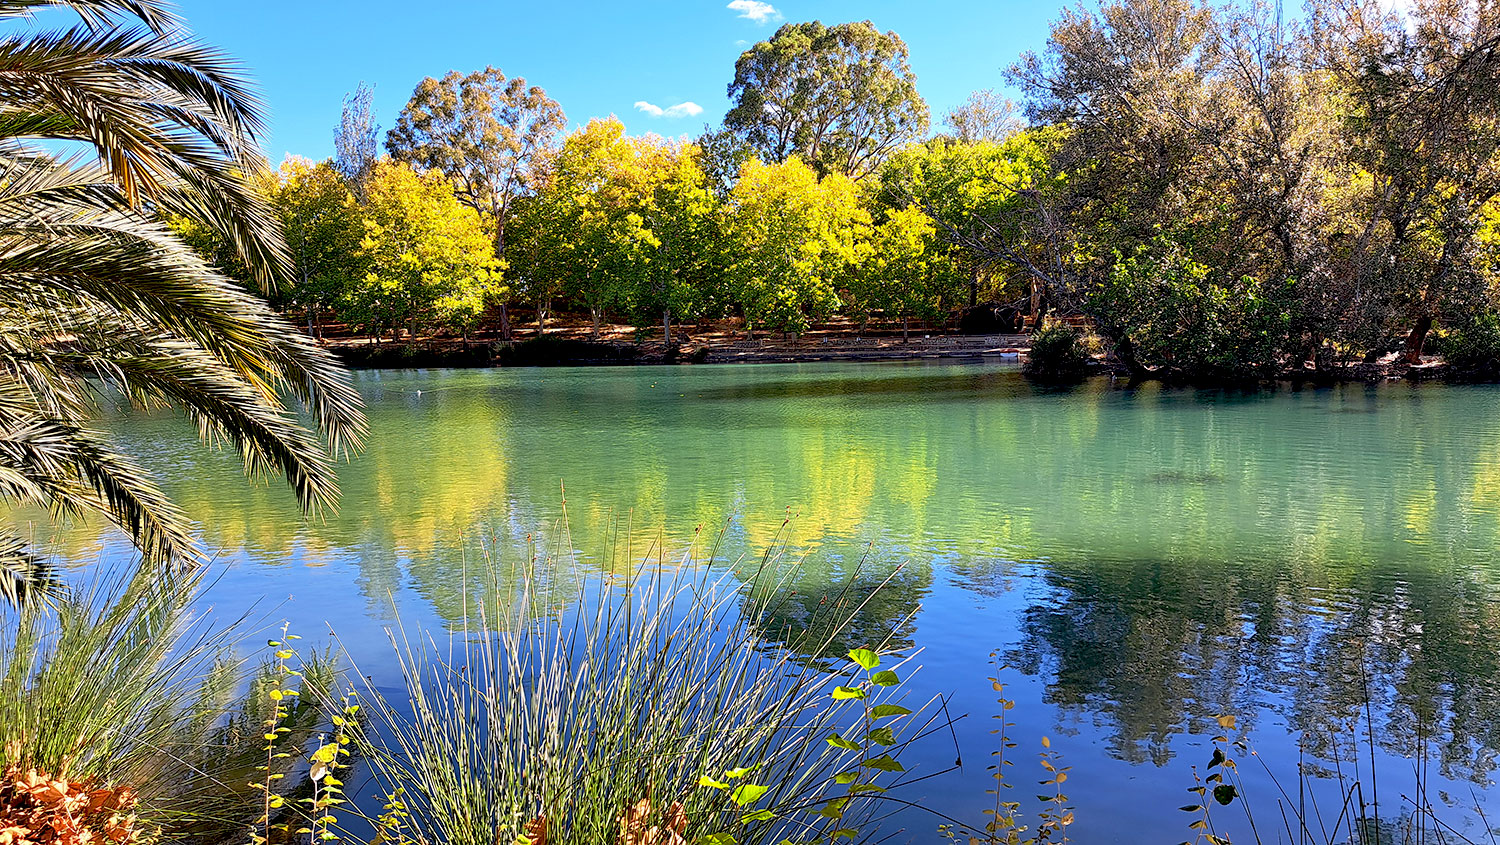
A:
1142	559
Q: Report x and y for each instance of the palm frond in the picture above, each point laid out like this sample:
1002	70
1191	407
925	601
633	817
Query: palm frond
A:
99	299
25	578
66	244
99	13
164	114
71	469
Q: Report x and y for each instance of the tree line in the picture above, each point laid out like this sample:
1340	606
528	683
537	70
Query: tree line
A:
1221	192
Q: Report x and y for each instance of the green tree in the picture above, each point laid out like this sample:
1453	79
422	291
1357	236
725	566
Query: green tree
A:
793	239
324	230
841	98
681	218
486	133
595	238
1420	92
907	270
101	299
431	259
992	202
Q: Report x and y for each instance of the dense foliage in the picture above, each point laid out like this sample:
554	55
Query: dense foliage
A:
1222	193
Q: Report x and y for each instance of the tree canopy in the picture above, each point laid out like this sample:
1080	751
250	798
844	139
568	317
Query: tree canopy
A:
840	98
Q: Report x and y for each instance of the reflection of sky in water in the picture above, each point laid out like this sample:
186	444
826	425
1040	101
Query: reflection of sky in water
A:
1144	558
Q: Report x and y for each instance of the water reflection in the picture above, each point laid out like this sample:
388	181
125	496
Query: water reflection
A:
1150	556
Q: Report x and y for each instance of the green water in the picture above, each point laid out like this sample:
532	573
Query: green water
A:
1142	558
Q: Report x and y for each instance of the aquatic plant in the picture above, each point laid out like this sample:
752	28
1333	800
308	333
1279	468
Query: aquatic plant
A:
652	708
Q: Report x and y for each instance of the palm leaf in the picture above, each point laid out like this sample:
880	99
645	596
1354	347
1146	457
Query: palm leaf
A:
99	300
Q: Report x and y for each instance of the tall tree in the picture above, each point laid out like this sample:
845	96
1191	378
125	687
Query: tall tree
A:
994	202
431	260
1422	89
907	269
483	131
355	144
984	116
324	230
681	216
98	295
841	98
486	133
600	236
794	239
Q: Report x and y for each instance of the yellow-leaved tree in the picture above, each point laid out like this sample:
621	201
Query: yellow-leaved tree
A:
431	258
794	237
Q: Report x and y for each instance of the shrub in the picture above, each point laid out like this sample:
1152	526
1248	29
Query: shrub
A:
1183	317
1472	350
1058	353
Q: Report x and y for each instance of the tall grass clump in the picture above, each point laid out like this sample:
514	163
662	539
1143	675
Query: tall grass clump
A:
98	682
120	687
652	706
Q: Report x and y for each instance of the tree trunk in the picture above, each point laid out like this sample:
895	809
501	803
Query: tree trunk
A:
594	313
1416	338
905	329
1125	352
666	327
1038	305
542	307
310	321
504	321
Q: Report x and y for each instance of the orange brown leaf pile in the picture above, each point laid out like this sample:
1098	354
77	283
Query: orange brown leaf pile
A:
636	829
35	809
534	834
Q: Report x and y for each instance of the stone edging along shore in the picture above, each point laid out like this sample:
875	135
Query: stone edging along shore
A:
571	351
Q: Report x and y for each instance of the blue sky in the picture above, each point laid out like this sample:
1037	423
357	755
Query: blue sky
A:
594	58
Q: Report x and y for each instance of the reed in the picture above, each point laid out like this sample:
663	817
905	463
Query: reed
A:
655	706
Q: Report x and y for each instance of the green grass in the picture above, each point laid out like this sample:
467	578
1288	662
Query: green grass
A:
638	690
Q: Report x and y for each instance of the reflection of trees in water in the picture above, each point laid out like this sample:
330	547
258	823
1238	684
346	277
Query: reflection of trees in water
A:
1150	652
1142	503
841	607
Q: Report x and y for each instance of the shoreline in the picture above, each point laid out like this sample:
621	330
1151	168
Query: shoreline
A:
569	351
566	351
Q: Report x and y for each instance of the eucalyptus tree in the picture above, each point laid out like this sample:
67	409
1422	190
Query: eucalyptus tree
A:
984	116
485	132
100	301
840	98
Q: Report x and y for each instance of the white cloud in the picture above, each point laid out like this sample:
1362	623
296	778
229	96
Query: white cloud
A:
679	110
755	10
